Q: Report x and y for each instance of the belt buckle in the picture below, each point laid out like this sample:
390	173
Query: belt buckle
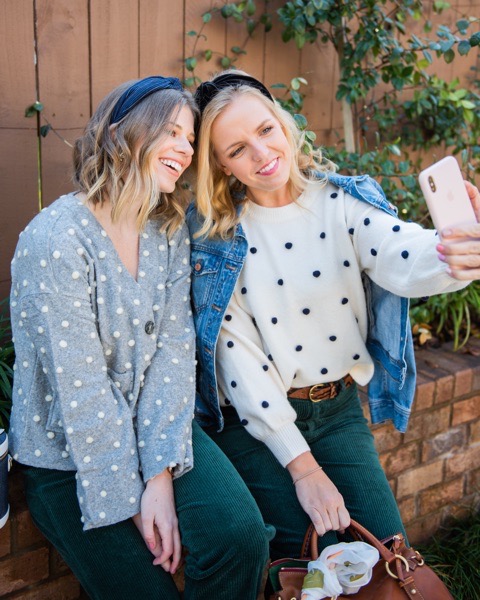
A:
316	387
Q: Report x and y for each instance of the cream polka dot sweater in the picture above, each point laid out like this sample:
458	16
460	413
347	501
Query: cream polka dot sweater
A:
298	313
104	374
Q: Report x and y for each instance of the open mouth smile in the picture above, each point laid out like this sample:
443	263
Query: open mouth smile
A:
268	169
172	164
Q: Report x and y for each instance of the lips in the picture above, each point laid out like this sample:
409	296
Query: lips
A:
269	168
172	164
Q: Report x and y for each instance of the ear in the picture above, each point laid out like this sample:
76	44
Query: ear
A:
225	170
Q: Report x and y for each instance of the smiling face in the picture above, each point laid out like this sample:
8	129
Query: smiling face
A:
174	152
250	144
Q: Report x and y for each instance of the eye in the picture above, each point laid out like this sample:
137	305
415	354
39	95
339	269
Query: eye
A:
237	152
266	130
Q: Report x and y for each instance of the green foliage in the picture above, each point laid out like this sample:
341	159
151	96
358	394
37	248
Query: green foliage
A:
7	358
414	113
454	554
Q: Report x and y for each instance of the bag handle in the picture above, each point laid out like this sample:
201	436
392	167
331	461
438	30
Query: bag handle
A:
310	541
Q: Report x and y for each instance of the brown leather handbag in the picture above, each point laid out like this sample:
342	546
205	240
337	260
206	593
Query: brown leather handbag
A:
399	574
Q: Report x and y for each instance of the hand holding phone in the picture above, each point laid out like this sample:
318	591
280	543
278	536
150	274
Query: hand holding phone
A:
445	194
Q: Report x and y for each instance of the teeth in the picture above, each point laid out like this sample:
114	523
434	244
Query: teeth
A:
269	166
171	163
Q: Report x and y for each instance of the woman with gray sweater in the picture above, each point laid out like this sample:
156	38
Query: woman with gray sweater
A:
104	378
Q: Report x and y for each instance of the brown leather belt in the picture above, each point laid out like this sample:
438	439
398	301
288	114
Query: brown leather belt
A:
320	391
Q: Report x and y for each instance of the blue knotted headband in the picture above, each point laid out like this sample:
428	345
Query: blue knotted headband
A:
140	90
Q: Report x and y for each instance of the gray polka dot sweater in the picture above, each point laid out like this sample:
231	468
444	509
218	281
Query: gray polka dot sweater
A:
104	374
298	314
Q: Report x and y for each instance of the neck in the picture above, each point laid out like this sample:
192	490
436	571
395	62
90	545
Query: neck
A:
270	199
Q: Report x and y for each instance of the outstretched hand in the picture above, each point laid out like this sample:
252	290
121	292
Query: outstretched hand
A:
158	524
460	245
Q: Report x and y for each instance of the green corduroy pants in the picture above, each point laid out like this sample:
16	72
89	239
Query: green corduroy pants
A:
340	439
220	525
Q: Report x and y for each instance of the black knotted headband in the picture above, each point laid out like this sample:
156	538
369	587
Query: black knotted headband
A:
209	89
140	90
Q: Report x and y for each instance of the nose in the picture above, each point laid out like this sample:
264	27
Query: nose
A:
259	151
184	146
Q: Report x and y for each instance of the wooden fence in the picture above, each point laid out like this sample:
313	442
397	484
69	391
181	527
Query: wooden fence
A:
68	53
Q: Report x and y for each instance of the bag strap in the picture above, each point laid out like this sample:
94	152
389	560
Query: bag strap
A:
310	541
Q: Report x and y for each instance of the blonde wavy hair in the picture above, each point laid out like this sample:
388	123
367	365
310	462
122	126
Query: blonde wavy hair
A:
115	162
221	199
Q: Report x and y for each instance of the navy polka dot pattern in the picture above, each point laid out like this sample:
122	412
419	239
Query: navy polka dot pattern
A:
227	401
244	422
228	317
233	384
305	292
244	290
253	250
405	254
230	344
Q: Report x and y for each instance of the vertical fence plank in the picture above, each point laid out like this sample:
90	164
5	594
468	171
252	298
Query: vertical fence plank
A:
64	85
114	45
215	32
162	38
18	135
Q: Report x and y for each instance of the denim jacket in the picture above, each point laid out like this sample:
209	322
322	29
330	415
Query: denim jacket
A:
216	264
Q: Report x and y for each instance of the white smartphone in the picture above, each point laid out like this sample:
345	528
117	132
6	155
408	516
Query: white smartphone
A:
445	194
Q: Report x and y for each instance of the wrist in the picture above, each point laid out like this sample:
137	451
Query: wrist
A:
301	464
166	474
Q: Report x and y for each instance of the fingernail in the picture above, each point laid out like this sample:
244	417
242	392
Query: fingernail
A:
441	257
447	232
440	247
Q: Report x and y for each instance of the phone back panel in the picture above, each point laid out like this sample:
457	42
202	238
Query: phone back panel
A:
445	193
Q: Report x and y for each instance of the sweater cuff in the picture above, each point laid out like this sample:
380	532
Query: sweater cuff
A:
286	444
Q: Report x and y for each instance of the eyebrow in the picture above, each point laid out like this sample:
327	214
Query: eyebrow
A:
259	127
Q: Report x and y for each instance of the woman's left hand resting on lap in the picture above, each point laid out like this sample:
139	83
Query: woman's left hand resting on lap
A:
463	257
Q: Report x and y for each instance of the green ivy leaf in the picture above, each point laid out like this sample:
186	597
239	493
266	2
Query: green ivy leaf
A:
192	33
189	81
208	55
464	47
225	62
301	121
190	63
207	17
449	56
226	11
33	109
44	129
475	39
251	8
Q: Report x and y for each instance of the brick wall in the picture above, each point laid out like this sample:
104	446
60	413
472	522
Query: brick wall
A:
434	470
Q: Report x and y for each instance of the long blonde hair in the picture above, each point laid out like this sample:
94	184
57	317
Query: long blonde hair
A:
114	162
220	198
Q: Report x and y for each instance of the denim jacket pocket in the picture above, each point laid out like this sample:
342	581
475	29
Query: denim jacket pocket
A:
205	267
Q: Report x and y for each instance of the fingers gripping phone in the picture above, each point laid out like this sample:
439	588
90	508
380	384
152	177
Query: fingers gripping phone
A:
445	194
